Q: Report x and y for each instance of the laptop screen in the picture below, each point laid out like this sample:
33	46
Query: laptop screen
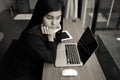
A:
87	45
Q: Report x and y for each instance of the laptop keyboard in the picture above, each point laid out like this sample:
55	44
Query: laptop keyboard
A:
71	53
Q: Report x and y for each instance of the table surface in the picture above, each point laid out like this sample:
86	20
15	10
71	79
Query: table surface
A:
90	71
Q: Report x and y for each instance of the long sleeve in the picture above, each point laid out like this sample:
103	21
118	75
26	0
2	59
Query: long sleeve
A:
43	48
47	54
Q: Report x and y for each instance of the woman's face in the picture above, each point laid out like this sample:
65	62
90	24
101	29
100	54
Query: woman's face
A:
52	19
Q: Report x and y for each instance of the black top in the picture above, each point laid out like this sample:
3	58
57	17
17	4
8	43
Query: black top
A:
33	49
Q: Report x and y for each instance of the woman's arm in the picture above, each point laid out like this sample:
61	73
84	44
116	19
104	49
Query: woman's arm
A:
46	51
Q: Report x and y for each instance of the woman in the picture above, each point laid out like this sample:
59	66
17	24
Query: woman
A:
38	42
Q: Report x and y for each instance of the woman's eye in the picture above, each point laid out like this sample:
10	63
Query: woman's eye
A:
58	18
48	17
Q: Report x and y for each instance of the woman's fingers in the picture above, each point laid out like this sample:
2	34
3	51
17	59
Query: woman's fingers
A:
45	30
42	30
50	30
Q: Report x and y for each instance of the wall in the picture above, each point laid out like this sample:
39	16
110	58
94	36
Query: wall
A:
87	5
32	4
105	4
83	12
3	5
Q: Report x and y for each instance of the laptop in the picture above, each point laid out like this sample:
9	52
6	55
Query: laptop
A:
76	54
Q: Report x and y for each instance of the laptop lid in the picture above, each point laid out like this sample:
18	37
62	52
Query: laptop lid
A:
87	45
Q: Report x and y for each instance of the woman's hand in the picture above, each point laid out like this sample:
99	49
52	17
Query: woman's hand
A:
50	31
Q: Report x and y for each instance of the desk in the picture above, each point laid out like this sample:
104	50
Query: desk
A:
90	71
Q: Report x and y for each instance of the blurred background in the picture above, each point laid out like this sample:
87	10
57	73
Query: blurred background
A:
102	16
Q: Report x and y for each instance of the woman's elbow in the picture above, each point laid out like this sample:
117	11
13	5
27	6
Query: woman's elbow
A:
51	60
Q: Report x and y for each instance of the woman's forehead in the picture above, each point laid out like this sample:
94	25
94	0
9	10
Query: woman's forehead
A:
55	13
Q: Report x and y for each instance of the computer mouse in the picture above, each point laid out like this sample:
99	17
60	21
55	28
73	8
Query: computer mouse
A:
69	72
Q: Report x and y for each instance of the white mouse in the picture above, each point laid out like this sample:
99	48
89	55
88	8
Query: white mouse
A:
69	72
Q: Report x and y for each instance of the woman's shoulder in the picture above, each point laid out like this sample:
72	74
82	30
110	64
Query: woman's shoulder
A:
35	30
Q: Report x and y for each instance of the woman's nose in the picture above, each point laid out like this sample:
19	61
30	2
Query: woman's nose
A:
53	22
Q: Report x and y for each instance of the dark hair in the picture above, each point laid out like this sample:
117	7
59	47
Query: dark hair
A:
42	8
